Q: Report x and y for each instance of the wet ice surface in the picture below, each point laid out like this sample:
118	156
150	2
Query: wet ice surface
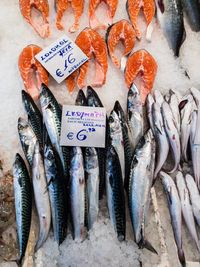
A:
101	248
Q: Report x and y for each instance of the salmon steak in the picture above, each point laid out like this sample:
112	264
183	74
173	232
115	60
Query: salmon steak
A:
94	21
77	7
94	46
133	9
39	23
32	72
120	31
141	65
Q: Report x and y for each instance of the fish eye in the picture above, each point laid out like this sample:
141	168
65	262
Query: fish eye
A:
111	119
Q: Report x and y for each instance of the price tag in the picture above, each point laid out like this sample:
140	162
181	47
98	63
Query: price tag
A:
83	126
61	58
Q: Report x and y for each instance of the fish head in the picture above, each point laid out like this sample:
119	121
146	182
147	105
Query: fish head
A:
134	99
93	99
48	155
81	99
23	125
118	109
27	100
17	165
91	159
114	122
45	96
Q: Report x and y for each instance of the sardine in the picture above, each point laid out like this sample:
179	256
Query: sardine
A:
194	196
93	100
174	205
23	203
77	192
150	101
174	105
172	134
170	17
186	121
116	137
187	207
41	196
34	116
161	137
128	150
192	10
56	182
141	178
135	115
27	138
92	184
115	193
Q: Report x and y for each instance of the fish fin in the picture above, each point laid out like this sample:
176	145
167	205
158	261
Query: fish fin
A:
181	257
146	244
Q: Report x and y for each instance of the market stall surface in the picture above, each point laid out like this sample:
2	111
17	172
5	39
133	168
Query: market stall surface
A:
101	247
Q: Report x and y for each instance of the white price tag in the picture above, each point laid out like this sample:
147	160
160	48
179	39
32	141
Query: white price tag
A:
83	126
61	58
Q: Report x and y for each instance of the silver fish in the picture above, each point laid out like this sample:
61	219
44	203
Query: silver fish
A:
159	99
77	192
141	178
194	196
187	207
150	101
174	105
186	120
27	138
174	205
170	17
161	137
92	184
135	115
192	10
116	136
172	133
41	196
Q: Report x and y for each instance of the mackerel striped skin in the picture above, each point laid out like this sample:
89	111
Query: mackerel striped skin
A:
115	193
141	178
55	179
77	192
94	101
52	114
128	151
92	184
27	138
23	203
34	116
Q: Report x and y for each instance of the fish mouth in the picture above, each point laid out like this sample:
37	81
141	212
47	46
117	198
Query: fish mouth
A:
117	107
44	96
18	159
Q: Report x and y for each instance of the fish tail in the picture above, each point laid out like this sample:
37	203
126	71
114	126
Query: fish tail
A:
181	257
146	244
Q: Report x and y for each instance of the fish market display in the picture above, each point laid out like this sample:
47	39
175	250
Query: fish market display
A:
55	180
135	114
192	10
143	64
115	193
140	182
93	20
92	184
62	5
120	31
172	134
40	25
94	46
34	116
28	139
32	72
187	207
77	192
116	137
187	107
41	196
170	17
23	203
133	9
174	205
194	196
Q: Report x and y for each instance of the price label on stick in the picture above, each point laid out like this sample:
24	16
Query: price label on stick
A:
61	58
83	126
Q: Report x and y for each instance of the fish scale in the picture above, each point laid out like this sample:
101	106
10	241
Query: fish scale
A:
23	202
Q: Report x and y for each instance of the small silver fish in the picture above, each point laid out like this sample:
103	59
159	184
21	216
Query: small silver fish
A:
174	205
187	207
41	196
174	105
194	196
172	133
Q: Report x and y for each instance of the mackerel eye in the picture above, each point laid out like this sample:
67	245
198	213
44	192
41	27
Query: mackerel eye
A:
111	119
87	152
50	156
20	127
